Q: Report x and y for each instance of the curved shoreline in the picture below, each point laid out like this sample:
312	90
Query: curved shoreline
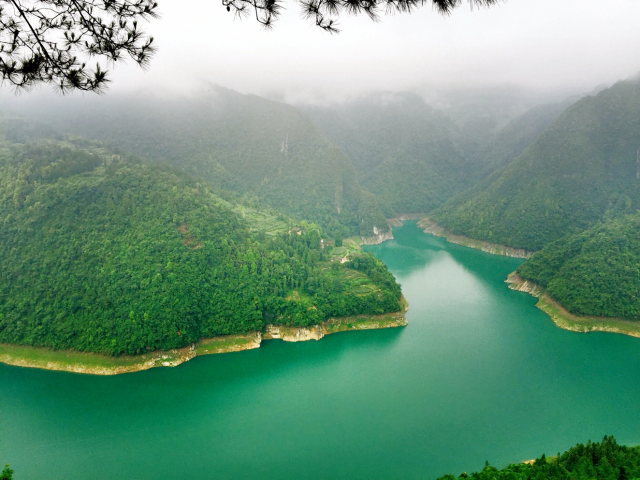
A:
96	364
568	321
433	228
559	315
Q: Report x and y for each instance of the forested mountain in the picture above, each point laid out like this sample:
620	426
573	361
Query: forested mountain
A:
241	143
407	153
513	139
414	156
481	112
595	272
582	169
101	252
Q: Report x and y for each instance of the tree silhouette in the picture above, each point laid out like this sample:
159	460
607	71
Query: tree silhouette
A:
52	41
325	12
41	40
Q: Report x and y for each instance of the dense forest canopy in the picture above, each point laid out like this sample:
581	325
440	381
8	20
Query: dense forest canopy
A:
582	169
514	138
405	152
534	178
595	272
101	252
605	460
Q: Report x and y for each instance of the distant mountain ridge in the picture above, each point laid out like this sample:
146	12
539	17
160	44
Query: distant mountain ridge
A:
583	168
405	151
241	143
414	157
563	178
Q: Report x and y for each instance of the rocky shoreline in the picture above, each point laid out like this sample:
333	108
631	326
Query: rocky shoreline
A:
378	237
433	228
95	364
568	321
383	236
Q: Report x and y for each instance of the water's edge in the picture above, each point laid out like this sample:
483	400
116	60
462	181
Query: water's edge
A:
566	320
559	315
433	228
383	236
95	364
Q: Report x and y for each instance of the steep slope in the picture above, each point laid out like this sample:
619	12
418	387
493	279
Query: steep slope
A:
480	112
106	254
406	152
514	138
593	273
241	143
414	157
582	168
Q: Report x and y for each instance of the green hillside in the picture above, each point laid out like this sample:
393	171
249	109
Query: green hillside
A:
406	152
103	253
514	138
241	143
415	157
593	273
582	169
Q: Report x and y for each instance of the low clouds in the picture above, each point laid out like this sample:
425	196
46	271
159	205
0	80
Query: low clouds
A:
544	44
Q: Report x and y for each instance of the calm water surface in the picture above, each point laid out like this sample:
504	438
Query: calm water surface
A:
479	374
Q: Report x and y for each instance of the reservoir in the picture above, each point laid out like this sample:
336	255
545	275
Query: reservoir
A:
478	374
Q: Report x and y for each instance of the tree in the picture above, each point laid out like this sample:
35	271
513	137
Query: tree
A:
40	40
6	474
51	41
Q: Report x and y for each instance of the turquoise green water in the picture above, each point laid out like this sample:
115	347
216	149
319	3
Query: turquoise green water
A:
478	374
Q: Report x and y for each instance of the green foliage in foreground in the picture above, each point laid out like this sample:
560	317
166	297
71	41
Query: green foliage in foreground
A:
581	170
602	461
111	256
6	474
594	273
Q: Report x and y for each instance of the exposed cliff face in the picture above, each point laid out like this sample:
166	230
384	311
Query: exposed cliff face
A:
521	285
89	363
438	231
378	237
293	334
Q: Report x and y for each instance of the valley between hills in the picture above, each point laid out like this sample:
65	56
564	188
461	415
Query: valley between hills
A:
131	227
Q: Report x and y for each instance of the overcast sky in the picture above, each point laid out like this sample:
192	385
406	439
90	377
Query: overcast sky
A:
537	43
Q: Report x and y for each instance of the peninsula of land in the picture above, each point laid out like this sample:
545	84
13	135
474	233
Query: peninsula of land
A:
568	321
433	228
558	313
